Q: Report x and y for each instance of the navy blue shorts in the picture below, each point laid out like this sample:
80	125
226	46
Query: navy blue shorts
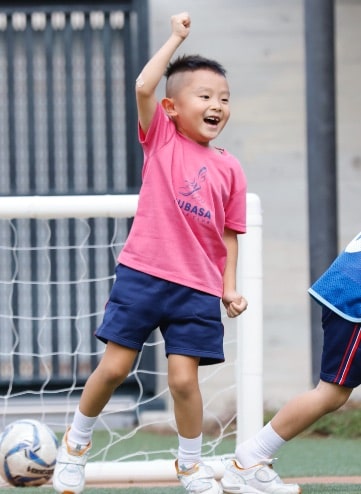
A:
341	355
189	320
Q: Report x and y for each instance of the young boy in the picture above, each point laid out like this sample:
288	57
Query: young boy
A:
178	261
338	290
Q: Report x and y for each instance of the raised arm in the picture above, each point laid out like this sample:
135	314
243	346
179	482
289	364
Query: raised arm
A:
153	71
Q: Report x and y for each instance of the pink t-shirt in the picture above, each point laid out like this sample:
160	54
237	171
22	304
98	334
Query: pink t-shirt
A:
189	194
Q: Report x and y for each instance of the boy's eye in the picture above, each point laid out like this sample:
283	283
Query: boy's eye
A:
225	100
204	96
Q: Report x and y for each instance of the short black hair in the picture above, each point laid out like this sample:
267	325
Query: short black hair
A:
190	63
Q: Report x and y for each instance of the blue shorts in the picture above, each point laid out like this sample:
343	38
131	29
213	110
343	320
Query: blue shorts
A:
341	355
189	320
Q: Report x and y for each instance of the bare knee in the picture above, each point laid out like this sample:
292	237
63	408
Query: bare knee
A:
110	375
183	376
333	396
115	365
183	385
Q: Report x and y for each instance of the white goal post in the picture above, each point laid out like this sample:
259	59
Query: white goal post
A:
248	328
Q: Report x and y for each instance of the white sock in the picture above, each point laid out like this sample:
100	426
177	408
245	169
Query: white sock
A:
260	447
81	430
189	451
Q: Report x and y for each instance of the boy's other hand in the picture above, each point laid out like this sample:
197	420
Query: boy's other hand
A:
234	303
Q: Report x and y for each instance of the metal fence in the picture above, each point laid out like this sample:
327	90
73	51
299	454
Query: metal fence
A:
67	126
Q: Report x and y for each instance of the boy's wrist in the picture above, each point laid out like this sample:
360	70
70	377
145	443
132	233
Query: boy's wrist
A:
177	38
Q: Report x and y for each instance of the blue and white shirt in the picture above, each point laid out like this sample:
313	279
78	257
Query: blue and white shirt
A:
339	288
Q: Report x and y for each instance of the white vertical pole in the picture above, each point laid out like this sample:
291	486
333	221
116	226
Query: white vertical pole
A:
249	326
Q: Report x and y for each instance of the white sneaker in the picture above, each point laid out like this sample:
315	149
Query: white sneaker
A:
198	479
69	474
255	480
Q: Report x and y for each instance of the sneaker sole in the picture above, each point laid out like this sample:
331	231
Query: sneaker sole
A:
244	489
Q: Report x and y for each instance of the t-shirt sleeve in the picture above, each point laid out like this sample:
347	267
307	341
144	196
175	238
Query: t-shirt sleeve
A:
157	131
236	207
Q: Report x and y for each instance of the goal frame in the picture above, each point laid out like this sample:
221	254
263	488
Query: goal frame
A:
249	327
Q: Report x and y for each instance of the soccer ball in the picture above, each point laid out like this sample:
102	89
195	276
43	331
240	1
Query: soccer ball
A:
27	453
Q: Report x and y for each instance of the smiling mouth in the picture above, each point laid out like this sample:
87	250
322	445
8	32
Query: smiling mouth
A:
212	120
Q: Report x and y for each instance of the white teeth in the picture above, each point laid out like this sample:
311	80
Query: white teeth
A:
213	119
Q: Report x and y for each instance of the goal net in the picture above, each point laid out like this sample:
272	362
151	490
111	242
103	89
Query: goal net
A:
57	259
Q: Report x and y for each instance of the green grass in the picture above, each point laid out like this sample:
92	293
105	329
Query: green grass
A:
330	488
312	456
344	423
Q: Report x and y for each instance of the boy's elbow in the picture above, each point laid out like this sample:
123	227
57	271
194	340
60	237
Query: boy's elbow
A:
143	90
139	82
143	95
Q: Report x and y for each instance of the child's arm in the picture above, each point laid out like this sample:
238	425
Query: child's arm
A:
234	303
153	71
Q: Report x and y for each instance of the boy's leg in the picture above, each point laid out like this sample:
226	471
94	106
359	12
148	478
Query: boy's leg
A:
111	371
302	411
188	412
184	388
256	453
340	373
292	419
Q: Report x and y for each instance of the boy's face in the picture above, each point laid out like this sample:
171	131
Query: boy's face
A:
199	104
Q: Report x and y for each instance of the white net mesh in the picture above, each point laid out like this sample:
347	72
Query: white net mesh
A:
55	277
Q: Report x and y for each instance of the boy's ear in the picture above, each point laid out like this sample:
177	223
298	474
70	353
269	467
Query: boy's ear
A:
168	106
